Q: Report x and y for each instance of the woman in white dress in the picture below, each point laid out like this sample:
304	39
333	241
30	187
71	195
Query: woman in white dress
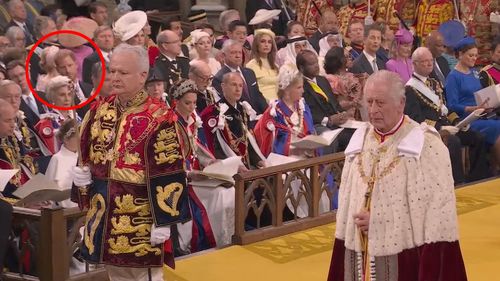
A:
202	49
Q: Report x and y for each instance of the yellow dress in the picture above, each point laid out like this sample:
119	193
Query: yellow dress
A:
267	78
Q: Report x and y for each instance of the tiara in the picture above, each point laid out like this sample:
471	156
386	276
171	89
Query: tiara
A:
70	132
184	87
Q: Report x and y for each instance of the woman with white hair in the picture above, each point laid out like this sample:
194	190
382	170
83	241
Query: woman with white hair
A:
48	64
202	49
60	92
286	119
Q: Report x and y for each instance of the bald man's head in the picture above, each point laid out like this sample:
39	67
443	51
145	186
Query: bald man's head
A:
200	73
329	22
435	43
169	43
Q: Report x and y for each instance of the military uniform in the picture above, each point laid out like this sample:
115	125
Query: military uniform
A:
476	15
421	108
490	75
172	71
139	179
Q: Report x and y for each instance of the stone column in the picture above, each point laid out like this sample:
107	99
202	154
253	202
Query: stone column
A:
213	9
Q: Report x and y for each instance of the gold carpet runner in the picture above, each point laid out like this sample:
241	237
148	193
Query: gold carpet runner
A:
306	255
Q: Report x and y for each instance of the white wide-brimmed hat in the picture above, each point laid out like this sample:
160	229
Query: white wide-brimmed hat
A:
128	25
83	25
264	15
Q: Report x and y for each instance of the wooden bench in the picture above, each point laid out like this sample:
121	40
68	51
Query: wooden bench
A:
274	184
58	238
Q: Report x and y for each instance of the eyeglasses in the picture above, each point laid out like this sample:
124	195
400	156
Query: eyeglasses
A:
205	79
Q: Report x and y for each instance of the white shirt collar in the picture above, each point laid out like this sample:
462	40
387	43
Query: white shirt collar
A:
423	78
369	57
233	69
21	24
312	80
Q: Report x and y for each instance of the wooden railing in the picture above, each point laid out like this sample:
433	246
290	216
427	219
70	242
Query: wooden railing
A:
54	236
271	188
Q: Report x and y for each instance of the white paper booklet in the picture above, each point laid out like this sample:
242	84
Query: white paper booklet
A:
353	124
5	176
277	159
316	141
40	188
476	114
223	170
491	93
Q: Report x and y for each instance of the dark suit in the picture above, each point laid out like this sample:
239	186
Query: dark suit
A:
418	107
321	108
255	97
169	72
314	40
443	65
29	33
88	63
6	219
86	89
70	8
31	117
362	65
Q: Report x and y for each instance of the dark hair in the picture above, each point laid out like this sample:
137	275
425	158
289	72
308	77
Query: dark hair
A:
97	70
334	60
50	10
13	64
300	60
235	23
371	27
464	49
170	20
205	26
94	5
290	25
66	126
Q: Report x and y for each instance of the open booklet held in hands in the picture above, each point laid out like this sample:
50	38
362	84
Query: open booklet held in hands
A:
40	188
476	114
218	173
489	95
316	141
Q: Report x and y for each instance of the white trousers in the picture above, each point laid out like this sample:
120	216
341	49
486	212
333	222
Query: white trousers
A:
118	273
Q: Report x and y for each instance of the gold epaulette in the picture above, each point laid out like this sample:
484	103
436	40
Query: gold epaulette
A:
9	200
429	122
453	117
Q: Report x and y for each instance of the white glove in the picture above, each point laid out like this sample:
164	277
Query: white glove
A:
450	129
159	234
81	176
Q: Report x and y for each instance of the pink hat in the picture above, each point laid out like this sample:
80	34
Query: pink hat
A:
403	36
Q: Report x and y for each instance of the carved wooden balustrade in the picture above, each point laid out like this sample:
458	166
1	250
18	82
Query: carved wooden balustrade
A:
262	195
54	237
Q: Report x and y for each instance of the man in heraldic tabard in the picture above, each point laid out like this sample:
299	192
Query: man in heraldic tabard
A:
397	216
133	180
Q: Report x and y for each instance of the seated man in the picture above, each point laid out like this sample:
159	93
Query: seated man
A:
199	72
490	74
326	111
226	125
425	103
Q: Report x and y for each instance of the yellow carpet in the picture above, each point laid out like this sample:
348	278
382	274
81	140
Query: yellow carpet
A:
306	255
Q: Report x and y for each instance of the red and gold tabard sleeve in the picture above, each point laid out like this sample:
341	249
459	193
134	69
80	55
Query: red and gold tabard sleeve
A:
475	14
385	12
349	13
308	14
431	14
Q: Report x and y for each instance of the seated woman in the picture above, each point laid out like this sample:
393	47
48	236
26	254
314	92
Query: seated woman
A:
401	61
461	84
202	49
195	235
286	119
58	93
263	63
347	87
61	164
